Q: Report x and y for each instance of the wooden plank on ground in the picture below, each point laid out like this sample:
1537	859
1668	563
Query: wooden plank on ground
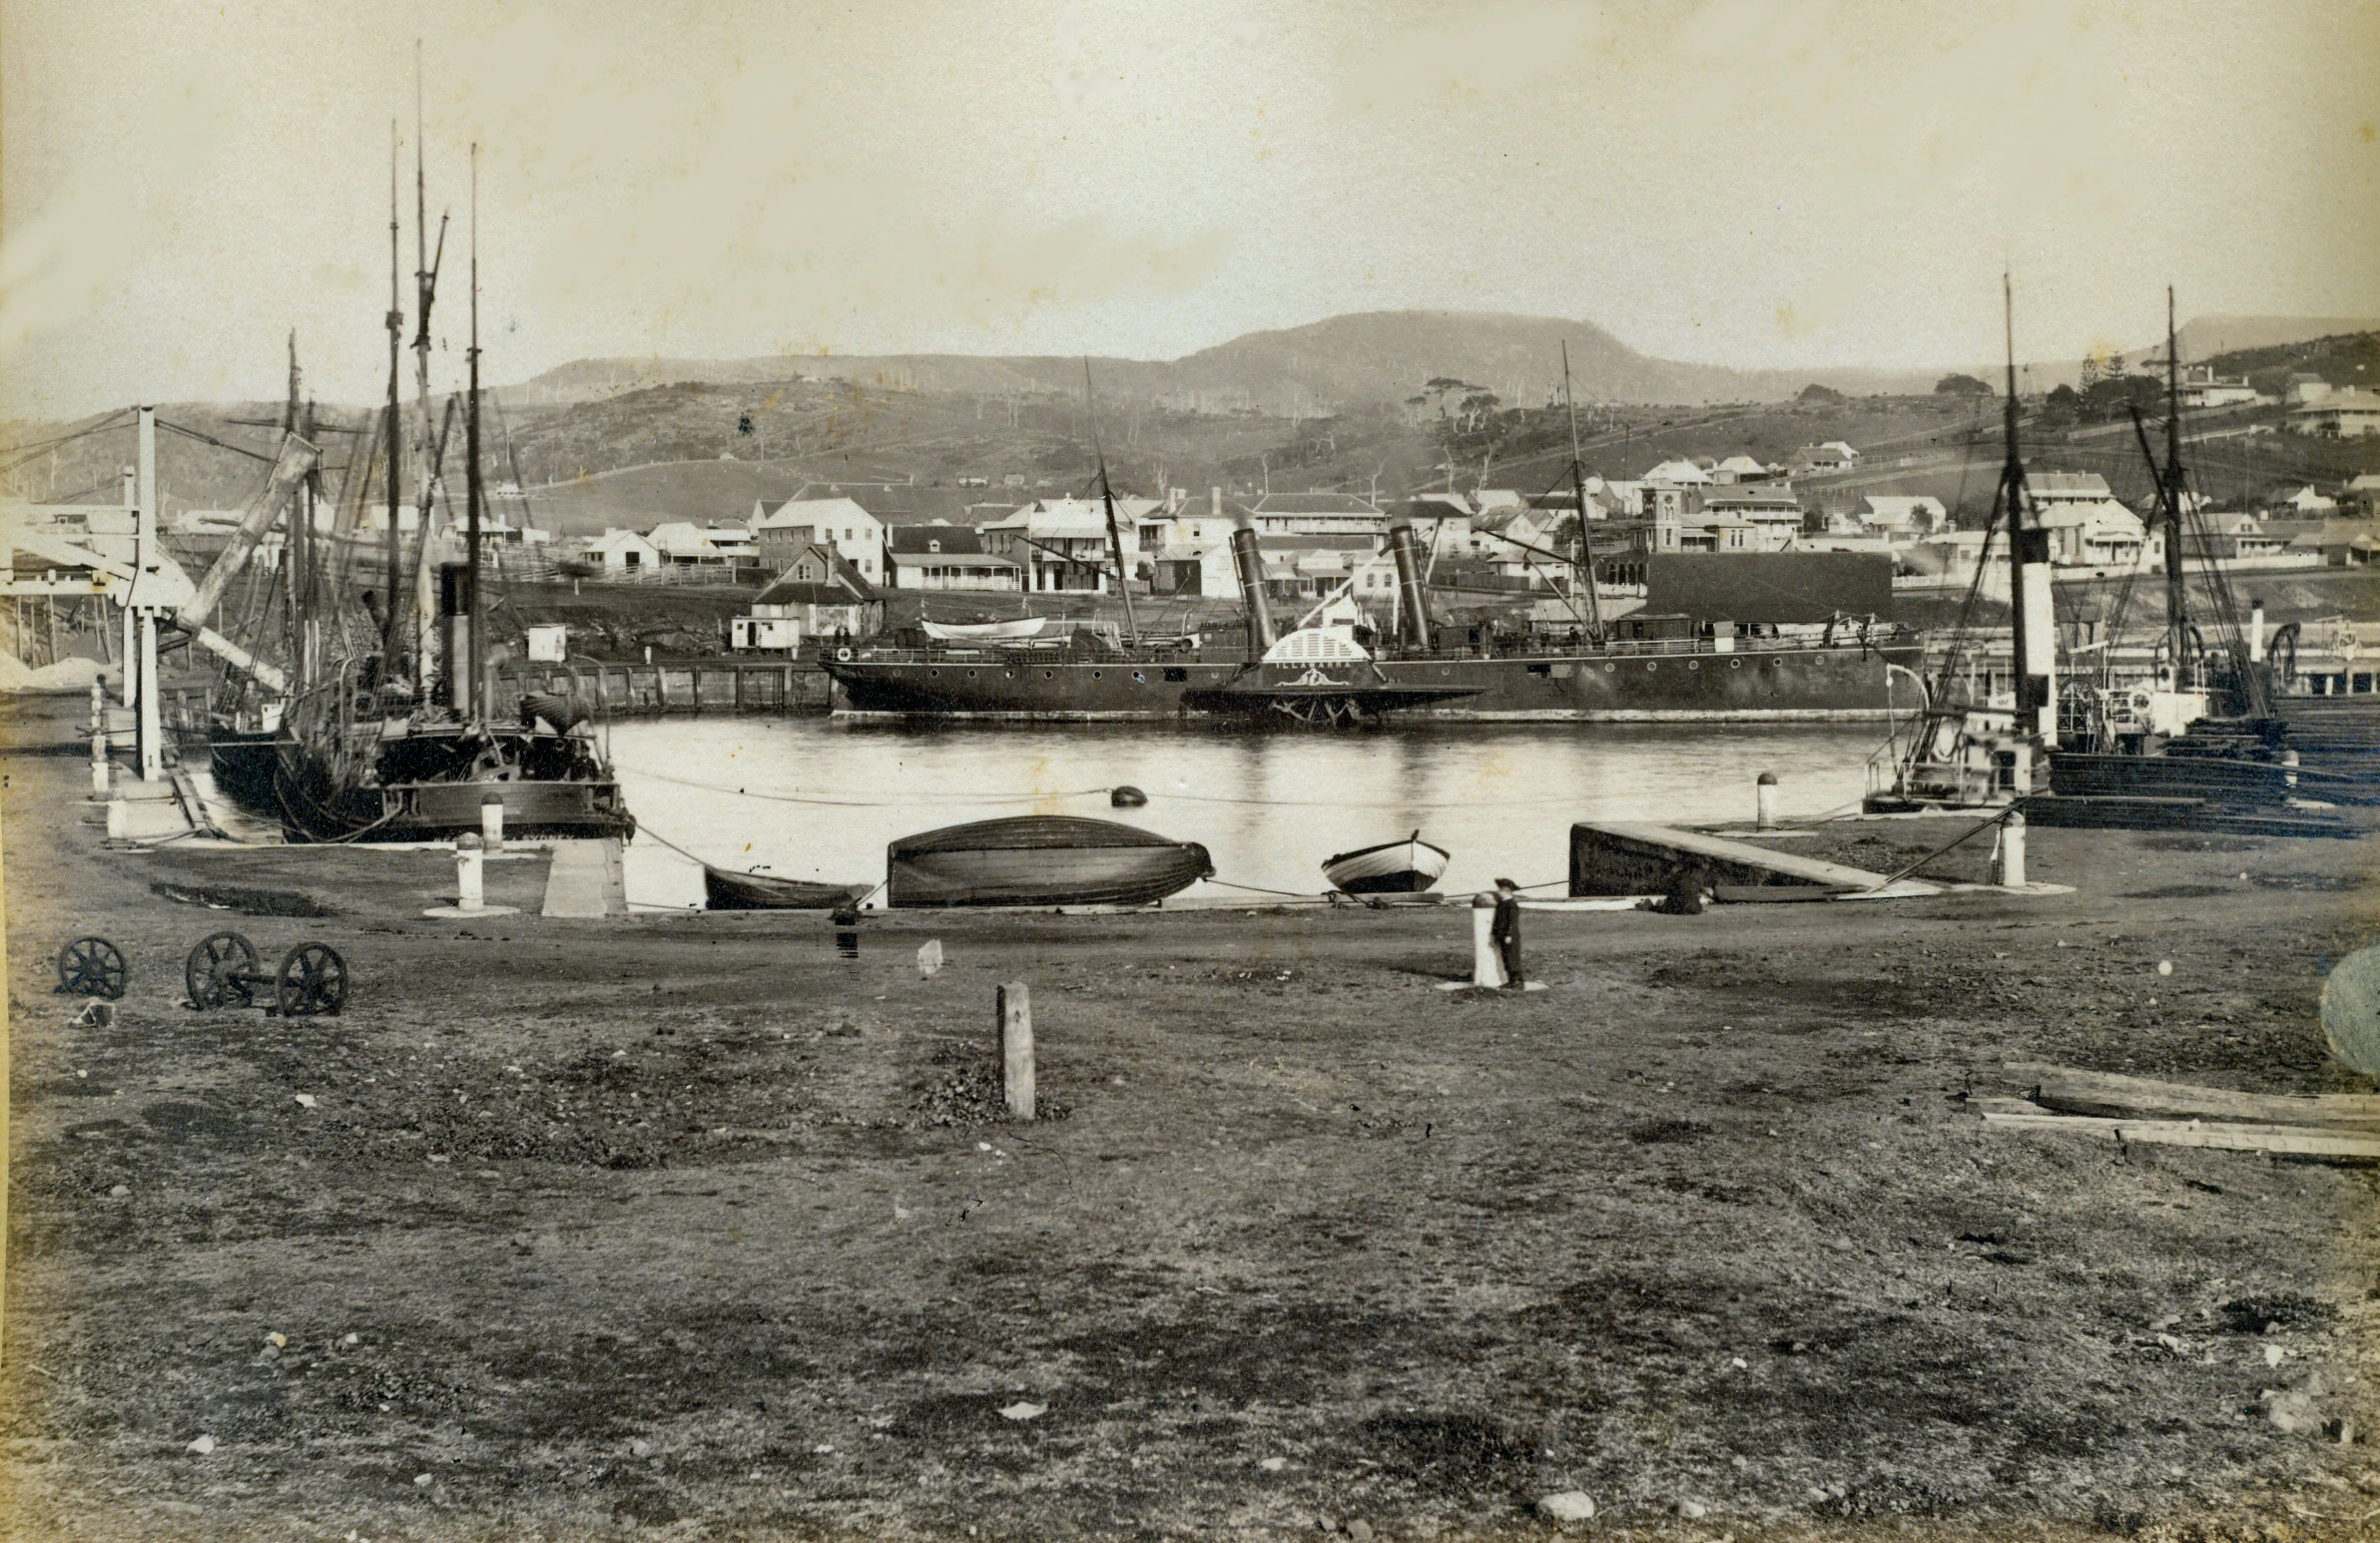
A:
2294	1139
2110	1094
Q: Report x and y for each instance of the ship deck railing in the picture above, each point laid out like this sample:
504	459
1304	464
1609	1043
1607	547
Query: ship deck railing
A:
1537	648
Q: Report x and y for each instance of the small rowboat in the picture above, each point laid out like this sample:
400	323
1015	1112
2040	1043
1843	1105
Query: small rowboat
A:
1042	859
1393	867
731	890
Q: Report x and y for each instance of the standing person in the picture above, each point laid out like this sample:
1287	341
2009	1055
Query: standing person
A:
1505	931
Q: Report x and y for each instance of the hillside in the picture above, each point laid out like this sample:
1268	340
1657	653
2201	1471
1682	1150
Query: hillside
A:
2202	338
2346	358
1371	358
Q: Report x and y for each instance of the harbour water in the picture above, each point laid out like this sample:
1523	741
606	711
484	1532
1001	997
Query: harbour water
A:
819	799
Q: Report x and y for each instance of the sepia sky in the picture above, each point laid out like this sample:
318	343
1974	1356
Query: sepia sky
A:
1740	181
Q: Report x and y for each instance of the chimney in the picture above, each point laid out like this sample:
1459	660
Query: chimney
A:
1214	502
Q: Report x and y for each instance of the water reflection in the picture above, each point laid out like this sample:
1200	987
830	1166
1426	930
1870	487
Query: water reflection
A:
820	797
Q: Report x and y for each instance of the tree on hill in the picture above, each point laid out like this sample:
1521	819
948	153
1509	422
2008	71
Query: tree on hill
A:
2064	407
1961	385
1816	396
2107	399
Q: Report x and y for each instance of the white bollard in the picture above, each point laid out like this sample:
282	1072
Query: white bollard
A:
1486	963
99	765
491	822
2288	768
118	816
1764	801
468	855
2009	869
99	706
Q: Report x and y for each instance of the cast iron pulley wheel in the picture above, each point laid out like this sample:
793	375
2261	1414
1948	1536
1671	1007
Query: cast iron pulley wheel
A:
221	972
91	967
313	979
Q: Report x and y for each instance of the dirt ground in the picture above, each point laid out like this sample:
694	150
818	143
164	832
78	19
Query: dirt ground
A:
684	1228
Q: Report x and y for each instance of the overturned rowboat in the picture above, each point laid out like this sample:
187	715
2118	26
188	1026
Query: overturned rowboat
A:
1042	859
732	889
1409	866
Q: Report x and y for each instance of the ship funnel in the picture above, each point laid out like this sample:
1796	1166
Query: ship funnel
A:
1413	603
1250	563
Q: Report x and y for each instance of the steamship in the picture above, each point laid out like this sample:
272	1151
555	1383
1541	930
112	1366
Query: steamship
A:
1668	667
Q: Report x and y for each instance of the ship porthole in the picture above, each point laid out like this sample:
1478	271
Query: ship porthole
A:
934	673
1693	664
1651	665
1735	664
1050	675
1139	678
1612	669
971	675
1095	675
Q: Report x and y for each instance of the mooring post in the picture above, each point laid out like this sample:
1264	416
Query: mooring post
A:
118	816
468	854
2010	868
1486	966
491	822
2290	765
1764	801
1016	1049
99	706
99	763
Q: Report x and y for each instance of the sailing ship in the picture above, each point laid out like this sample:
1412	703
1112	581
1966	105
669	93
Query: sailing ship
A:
384	725
1330	669
2194	731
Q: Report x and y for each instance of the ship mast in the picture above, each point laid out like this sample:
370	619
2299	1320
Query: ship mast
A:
396	327
425	284
1586	551
2177	596
1115	538
471	483
2033	619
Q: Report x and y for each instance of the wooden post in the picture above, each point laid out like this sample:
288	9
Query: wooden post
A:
1016	1048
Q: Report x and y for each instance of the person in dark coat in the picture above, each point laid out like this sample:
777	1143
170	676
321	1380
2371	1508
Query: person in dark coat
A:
1505	931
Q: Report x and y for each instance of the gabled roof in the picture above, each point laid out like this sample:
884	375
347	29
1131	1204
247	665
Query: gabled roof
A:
1315	503
2066	484
897	504
842	587
935	540
1676	471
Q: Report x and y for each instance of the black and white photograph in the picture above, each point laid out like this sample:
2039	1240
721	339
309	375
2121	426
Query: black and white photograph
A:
1306	771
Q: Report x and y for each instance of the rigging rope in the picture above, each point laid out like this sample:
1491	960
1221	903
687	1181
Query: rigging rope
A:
40	448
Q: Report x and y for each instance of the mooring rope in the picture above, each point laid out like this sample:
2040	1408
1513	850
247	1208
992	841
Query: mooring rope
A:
863	804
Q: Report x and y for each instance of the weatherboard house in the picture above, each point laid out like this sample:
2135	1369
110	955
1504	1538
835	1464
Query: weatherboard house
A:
623	552
942	556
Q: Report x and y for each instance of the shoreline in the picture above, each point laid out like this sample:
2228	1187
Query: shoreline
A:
624	1213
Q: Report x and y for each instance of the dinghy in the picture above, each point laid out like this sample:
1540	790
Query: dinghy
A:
729	889
1042	859
1409	866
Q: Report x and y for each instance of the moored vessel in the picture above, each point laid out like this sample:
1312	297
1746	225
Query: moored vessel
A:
1042	859
1407	866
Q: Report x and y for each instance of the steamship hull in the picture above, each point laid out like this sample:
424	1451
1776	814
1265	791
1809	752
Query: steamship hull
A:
1845	683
